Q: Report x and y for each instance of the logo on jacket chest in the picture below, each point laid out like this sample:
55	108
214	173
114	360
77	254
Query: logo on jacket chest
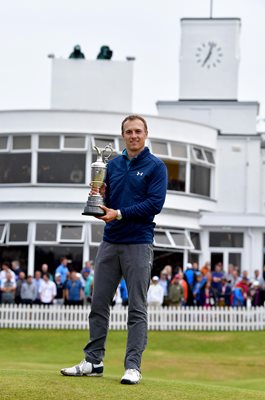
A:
139	173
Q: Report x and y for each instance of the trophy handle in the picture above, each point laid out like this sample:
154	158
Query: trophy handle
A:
106	153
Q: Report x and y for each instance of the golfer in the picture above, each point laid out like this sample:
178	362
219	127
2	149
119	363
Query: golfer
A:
136	184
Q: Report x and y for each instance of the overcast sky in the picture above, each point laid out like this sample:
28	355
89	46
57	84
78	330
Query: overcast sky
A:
146	29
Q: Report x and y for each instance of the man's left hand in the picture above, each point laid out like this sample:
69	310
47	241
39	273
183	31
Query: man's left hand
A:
110	214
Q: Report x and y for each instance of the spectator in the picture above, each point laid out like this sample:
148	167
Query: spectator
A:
199	290
235	277
195	267
237	297
164	282
21	279
37	282
15	265
243	284
209	298
62	269
59	298
217	276
255	294
8	288
206	268
6	268
45	270
123	292
185	287
28	291
88	290
224	297
74	290
168	270
229	275
89	265
176	292
155	294
190	278
47	290
258	277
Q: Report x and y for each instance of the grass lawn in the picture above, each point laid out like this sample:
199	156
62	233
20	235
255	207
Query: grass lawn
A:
176	365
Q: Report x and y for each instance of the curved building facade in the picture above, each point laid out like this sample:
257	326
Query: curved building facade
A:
45	158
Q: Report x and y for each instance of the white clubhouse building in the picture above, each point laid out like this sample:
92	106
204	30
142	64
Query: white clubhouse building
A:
215	204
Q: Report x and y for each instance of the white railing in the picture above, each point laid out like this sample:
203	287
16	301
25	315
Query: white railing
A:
164	319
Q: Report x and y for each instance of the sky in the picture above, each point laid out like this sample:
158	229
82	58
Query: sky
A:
148	30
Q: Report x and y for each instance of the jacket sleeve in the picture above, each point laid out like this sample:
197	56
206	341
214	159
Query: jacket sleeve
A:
155	198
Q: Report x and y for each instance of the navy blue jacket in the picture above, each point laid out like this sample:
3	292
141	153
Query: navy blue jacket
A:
139	192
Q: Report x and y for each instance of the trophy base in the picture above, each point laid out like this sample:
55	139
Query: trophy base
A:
94	211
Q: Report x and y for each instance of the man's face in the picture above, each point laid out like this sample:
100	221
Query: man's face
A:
134	135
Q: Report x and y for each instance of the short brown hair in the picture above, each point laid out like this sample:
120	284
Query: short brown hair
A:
131	118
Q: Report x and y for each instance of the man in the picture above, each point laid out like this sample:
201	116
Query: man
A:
62	269
8	288
28	291
136	184
155	294
47	290
74	290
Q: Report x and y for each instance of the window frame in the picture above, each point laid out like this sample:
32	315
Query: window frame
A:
60	229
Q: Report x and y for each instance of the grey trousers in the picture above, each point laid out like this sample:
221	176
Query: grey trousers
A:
134	263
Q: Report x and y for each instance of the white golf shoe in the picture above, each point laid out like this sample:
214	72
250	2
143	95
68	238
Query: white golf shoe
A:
85	368
131	377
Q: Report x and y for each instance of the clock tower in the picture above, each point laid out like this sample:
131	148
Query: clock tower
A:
209	58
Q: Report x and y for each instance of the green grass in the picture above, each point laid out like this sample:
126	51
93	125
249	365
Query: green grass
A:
176	365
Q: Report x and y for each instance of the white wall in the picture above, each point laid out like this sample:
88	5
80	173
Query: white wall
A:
228	117
99	85
238	175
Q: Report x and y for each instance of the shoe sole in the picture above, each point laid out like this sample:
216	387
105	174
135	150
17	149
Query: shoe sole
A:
94	375
128	382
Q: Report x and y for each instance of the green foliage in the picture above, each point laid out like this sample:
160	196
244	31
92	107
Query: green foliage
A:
176	365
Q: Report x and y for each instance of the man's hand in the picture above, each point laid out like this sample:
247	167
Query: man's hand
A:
110	214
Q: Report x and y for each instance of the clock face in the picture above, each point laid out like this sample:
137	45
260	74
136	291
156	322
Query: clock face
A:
209	55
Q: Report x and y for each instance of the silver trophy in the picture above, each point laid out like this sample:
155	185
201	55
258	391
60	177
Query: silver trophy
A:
98	174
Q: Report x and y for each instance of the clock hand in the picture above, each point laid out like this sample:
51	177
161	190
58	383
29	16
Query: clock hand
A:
211	46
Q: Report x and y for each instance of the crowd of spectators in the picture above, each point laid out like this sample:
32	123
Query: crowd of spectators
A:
194	286
190	286
65	286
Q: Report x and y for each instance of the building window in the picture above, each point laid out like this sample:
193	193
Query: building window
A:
178	150
97	231
49	142
226	239
15	168
103	142
74	142
21	142
61	168
200	178
203	155
176	239
18	232
71	233
51	255
159	147
195	238
46	232
161	238
176	175
3	142
2	232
